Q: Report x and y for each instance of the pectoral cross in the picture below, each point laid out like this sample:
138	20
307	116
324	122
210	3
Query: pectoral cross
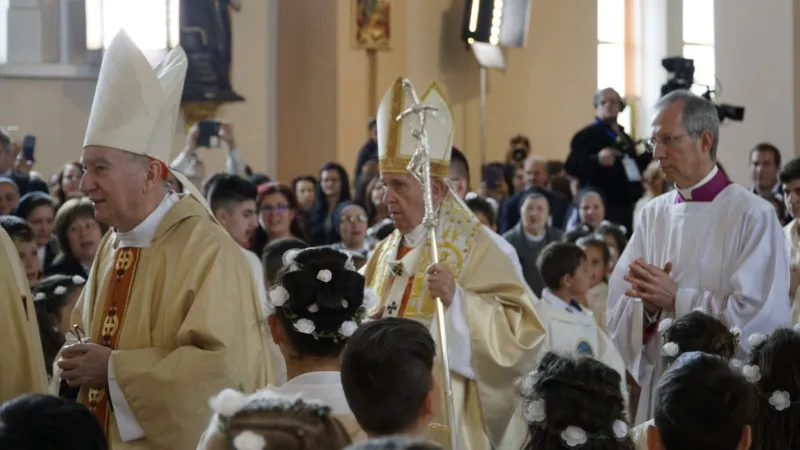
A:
392	308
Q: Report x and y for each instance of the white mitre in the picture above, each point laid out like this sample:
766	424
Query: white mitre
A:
136	106
396	145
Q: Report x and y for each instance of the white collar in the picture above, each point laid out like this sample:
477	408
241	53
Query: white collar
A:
142	234
325	386
687	193
415	237
557	302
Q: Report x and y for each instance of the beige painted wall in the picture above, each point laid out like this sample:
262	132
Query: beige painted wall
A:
758	71
323	96
56	111
544	93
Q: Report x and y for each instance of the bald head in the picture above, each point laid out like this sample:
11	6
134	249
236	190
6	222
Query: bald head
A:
535	169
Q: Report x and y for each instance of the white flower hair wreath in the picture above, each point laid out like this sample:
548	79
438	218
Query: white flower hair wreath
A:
670	349
779	399
230	402
278	296
536	413
76	281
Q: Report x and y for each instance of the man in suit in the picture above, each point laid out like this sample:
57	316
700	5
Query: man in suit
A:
536	181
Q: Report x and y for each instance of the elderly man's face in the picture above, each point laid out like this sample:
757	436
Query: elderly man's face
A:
114	182
682	156
403	197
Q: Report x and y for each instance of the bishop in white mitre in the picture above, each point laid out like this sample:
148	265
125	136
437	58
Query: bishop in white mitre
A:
494	334
709	244
170	305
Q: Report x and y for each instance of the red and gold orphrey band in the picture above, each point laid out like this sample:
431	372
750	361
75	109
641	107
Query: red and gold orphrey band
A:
119	289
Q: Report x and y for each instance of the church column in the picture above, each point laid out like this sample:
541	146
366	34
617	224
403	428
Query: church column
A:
660	35
757	67
31	31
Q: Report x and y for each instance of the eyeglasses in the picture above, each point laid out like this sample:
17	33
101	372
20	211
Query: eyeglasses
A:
277	208
667	141
356	218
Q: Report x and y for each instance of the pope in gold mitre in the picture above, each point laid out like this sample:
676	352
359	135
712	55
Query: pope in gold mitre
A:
22	364
493	332
170	305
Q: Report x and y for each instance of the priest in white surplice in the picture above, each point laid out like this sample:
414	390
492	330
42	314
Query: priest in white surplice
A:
709	244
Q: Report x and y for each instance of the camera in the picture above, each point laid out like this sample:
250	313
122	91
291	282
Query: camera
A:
681	72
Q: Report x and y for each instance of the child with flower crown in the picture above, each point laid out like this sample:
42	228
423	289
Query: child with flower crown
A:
773	368
574	403
694	332
268	420
315	304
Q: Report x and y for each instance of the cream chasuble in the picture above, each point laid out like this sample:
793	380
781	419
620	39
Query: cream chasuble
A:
504	332
21	361
182	316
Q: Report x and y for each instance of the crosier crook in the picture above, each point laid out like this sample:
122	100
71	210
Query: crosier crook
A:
420	167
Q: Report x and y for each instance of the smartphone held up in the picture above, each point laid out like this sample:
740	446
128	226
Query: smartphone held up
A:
208	133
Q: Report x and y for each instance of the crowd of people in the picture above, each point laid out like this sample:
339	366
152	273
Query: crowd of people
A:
629	297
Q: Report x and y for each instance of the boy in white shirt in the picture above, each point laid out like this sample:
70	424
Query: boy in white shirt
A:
570	326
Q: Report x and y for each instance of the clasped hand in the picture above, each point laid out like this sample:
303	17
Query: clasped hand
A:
85	365
652	284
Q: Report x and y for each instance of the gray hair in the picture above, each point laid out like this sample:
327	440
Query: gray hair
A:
699	115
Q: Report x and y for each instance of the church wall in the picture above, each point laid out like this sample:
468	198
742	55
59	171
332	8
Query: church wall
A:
57	110
323	96
545	92
756	59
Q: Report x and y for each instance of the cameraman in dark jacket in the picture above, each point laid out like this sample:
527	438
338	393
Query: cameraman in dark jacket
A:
604	157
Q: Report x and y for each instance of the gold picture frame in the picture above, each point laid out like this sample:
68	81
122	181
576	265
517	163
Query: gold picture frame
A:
372	24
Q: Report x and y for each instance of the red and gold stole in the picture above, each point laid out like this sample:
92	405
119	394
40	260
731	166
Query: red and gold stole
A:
119	289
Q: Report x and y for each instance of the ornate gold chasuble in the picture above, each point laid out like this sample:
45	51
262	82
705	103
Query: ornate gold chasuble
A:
505	331
21	362
183	319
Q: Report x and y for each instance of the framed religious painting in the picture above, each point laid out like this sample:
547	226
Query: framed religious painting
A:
372	24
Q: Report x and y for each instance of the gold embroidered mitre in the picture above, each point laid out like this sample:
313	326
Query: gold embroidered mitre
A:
136	105
396	145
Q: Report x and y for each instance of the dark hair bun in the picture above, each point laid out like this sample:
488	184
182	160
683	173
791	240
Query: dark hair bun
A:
336	299
320	299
